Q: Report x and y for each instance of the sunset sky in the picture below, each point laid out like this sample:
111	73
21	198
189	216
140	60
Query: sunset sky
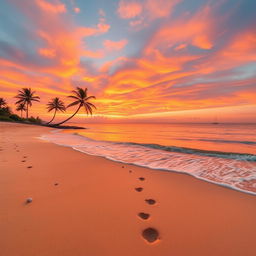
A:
169	60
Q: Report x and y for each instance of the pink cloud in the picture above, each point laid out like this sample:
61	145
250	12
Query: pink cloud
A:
51	7
136	23
197	30
48	53
180	47
76	10
160	8
101	28
115	45
93	54
129	9
145	11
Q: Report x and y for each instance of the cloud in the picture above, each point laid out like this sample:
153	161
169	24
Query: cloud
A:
57	7
115	45
160	8
196	29
144	12
76	10
48	53
182	67
129	9
194	59
52	61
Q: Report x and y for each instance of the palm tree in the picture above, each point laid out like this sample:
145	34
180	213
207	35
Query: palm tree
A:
21	107
81	99
26	96
57	105
2	103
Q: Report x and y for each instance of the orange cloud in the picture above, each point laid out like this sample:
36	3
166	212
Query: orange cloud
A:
93	54
48	53
243	47
115	45
146	11
196	30
51	7
238	51
159	8
91	31
128	10
116	62
180	47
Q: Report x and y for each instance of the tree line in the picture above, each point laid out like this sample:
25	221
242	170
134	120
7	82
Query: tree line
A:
26	97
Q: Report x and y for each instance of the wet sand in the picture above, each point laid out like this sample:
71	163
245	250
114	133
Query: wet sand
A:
56	201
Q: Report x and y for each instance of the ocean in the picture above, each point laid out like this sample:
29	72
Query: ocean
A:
224	154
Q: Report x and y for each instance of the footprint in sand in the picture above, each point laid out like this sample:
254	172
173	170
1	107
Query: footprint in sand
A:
29	200
130	171
141	178
150	234
150	201
56	184
29	167
23	161
139	189
144	215
24	156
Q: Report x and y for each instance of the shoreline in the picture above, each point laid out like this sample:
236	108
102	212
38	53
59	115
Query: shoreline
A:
94	208
222	184
171	171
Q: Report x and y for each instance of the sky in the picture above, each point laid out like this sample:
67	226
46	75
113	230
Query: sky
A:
144	60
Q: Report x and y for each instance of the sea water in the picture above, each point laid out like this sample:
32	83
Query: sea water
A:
224	154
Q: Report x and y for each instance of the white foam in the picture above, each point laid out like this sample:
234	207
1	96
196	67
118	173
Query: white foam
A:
236	174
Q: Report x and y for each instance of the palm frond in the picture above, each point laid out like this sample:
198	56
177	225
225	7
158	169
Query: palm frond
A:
89	103
20	101
88	108
73	103
90	97
73	97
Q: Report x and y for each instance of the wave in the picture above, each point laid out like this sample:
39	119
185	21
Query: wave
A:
231	141
234	170
221	141
210	153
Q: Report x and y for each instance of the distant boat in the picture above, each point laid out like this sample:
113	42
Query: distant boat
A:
215	120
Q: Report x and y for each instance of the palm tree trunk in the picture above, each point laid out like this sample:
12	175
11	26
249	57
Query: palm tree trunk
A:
53	116
70	116
27	110
21	113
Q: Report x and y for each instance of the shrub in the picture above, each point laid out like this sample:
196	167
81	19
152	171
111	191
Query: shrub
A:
5	118
6	111
15	117
35	120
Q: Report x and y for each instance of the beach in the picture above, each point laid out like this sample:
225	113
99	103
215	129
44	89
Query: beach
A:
89	205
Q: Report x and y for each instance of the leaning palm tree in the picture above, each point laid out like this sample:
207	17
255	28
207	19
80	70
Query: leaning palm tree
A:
81	99
26	96
2	103
57	105
21	107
